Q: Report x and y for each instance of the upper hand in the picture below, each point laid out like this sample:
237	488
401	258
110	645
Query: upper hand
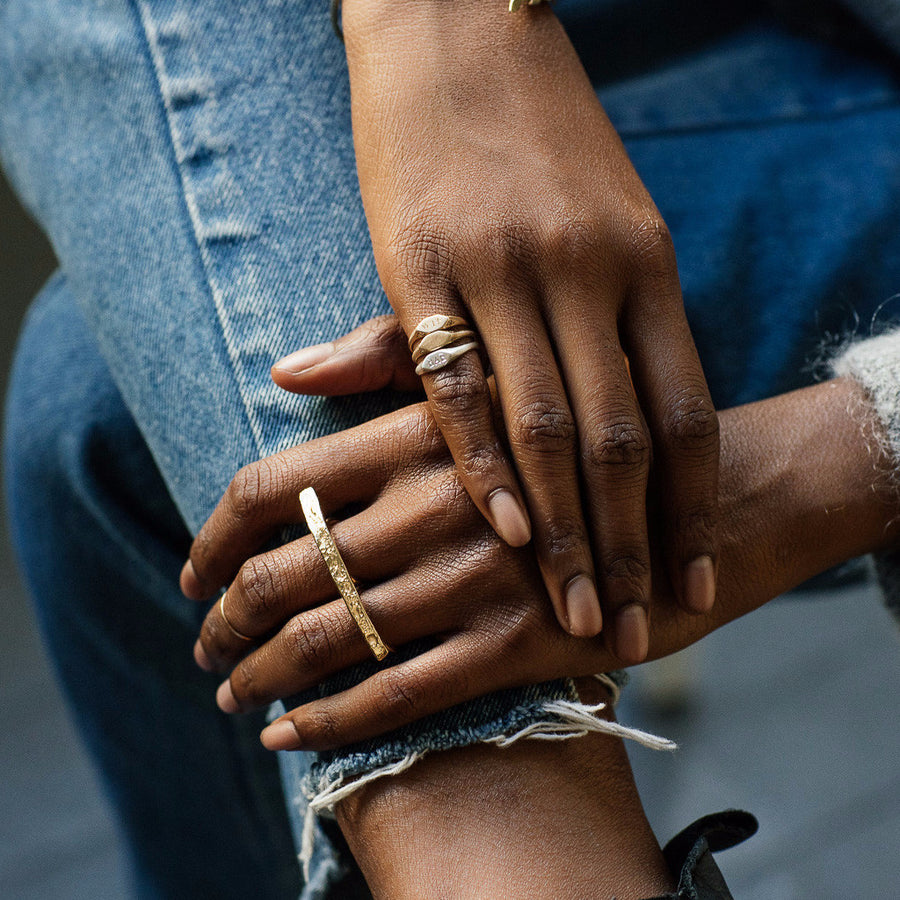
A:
495	188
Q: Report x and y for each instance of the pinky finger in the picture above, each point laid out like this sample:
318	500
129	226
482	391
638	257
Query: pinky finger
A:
434	681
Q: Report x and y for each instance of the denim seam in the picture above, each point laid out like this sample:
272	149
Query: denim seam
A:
150	32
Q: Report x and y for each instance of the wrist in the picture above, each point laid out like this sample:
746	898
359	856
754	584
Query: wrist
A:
804	477
462	28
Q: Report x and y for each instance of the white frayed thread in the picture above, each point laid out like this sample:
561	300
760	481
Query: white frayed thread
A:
331	794
573	720
579	720
615	691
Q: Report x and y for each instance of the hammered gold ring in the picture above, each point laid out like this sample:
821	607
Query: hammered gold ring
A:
231	627
312	512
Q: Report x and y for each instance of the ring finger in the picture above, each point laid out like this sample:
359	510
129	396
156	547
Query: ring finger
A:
324	640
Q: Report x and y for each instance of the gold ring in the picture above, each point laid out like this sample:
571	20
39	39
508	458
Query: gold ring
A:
435	323
437	340
312	512
231	627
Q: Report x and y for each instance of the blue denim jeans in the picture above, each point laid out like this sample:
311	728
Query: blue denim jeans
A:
192	163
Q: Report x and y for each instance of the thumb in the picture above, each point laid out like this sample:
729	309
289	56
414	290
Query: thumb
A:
373	356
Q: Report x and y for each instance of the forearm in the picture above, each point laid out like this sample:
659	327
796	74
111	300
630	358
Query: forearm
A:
801	490
535	820
804	487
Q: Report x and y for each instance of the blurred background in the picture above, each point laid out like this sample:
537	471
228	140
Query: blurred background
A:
792	714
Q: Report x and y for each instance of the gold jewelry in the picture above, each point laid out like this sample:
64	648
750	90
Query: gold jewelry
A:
435	323
231	627
518	4
437	339
440	358
312	512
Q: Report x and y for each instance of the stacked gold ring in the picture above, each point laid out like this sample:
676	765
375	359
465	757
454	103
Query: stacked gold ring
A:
439	340
346	586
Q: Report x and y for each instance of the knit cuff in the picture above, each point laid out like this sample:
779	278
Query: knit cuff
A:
875	365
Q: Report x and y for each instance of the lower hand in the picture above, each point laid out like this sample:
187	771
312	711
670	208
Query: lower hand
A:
794	503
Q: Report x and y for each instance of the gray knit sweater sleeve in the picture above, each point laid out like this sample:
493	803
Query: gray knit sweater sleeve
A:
875	364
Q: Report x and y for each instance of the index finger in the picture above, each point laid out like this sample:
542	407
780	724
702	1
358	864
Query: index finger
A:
263	497
444	345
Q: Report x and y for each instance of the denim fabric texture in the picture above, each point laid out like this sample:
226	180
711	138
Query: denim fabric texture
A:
192	163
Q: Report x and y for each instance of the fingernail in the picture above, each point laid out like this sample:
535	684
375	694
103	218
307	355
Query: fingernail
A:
190	584
509	518
201	658
305	359
225	698
700	584
280	736
632	639
583	607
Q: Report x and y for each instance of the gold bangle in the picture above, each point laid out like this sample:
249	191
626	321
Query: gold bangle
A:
312	512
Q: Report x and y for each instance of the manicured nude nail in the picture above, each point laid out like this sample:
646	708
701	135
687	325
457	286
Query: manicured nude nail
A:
201	658
280	736
632	638
225	698
305	359
510	519
583	607
700	584
191	586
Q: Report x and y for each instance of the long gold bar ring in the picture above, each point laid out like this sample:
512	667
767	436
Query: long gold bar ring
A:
312	512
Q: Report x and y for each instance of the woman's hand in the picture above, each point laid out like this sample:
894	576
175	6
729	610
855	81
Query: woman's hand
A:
496	189
796	498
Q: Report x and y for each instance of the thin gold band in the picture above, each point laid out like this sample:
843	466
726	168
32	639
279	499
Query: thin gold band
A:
312	512
231	627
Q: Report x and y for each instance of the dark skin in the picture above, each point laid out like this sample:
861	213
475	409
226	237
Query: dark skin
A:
797	498
800	491
496	189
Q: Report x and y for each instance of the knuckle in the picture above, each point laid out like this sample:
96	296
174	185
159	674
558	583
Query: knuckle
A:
460	388
246	490
507	244
629	571
620	444
398	695
308	640
478	462
324	724
650	240
693	422
563	537
419	254
573	239
546	427
257	583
